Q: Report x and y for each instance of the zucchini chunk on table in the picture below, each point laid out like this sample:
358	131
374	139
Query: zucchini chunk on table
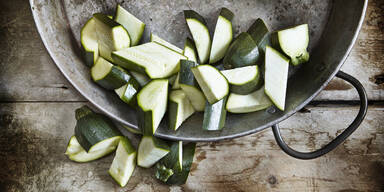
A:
159	40
171	163
215	115
180	177
243	80
276	76
189	85
212	82
151	150
200	33
293	42
133	25
111	35
88	39
260	34
152	104
223	35
242	52
128	92
254	101
150	58
124	162
179	109
95	132
109	76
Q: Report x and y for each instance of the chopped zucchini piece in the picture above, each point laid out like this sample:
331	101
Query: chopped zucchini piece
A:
159	40
215	115
189	85
124	162
128	92
133	25
88	39
255	101
141	78
179	108
242	52
260	34
171	163
180	177
151	150
190	50
243	80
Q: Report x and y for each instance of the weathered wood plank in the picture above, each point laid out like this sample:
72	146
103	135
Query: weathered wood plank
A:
33	138
28	74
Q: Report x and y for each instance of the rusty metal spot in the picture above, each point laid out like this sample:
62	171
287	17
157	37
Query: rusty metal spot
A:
272	180
379	79
338	84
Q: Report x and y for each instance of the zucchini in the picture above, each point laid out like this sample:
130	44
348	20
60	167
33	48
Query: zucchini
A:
212	82
180	177
133	25
159	40
223	35
243	80
172	79
124	162
189	85
176	83
151	58
132	130
109	76
200	33
260	34
151	150
171	163
128	92
255	101
141	78
215	115
77	153
179	109
94	131
88	39
111	35
152	102
276	76
293	42
190	50
242	52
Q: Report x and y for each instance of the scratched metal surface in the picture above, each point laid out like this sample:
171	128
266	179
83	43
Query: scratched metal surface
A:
59	23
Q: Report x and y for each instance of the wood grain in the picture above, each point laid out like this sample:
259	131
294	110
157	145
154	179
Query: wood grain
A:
33	139
37	79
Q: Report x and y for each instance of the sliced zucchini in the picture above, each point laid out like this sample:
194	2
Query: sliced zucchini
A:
159	40
243	80
179	109
171	163
88	39
111	35
151	58
255	101
95	132
172	79
293	42
133	25
190	50
180	177
260	34
215	115
132	130
77	153
124	162
151	150
199	30
176	84
242	52
109	76
223	35
128	92
276	76
212	82
189	85
152	102
141	78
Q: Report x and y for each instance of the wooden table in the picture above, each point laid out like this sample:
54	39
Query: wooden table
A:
37	118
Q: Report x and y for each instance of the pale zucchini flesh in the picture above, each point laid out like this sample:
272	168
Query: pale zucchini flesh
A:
195	95
212	82
215	115
141	78
222	37
151	150
252	102
128	92
133	25
180	109
161	41
276	76
243	80
88	39
190	50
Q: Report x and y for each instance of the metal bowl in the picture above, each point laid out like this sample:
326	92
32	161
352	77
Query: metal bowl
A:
334	26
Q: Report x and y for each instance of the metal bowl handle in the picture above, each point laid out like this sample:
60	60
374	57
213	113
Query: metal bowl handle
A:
340	138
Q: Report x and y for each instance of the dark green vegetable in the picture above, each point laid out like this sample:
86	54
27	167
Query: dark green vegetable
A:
242	52
180	177
171	163
215	115
260	34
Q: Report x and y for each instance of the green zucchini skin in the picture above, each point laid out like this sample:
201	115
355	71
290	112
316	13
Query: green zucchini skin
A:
145	119
130	92
215	115
249	87
194	15
180	177
169	164
116	78
186	75
127	64
260	34
92	128
242	52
